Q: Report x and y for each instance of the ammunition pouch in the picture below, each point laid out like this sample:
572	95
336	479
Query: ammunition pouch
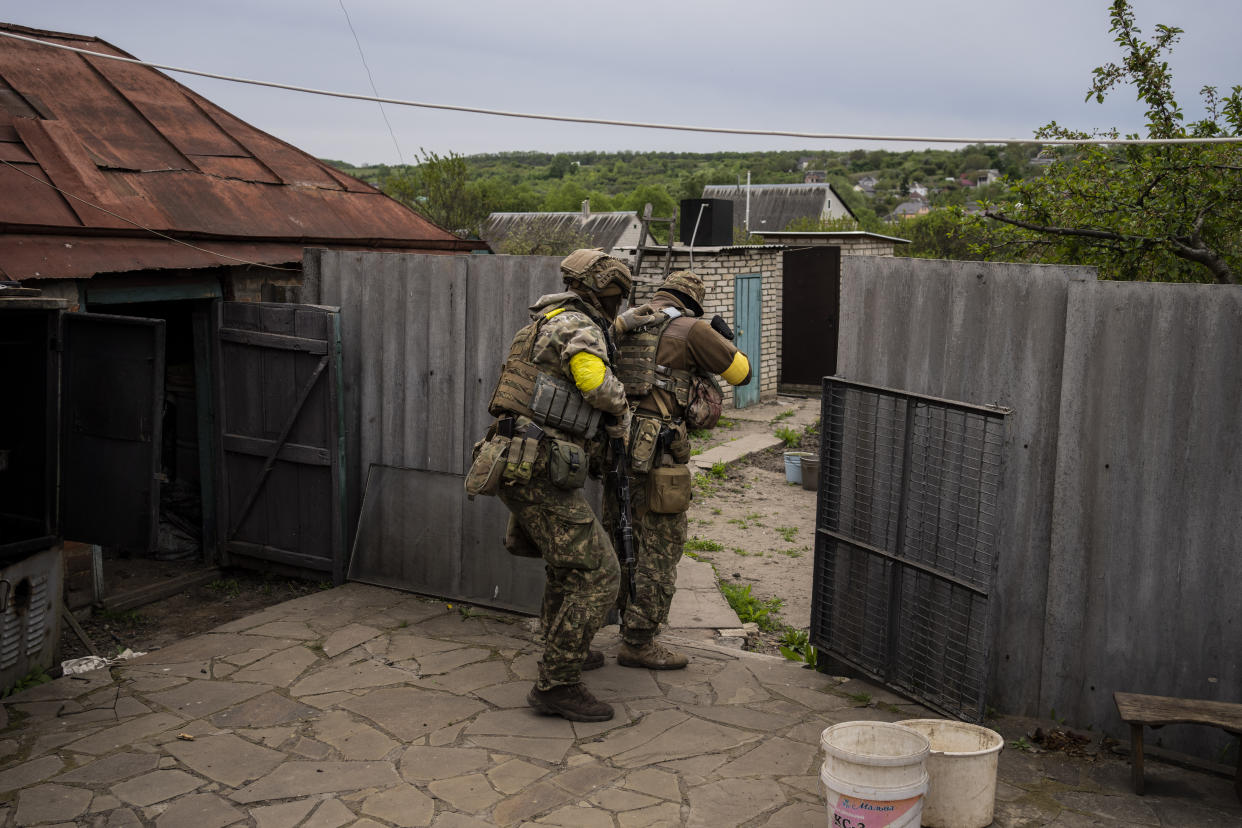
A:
644	443
488	466
557	403
669	490
518	542
567	464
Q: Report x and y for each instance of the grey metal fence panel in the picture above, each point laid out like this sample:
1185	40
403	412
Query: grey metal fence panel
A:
906	540
423	340
1146	552
987	333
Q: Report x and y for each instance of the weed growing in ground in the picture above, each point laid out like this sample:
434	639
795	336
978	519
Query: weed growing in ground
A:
813	428
860	699
32	679
718	471
792	437
700	433
724	422
796	646
697	544
1021	744
750	608
226	586
716	510
784	415
794	553
704	485
787	532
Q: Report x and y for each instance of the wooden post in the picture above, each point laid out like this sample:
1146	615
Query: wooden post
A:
1136	756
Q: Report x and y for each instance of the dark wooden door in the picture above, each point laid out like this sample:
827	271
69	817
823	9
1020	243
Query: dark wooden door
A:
810	315
281	497
112	411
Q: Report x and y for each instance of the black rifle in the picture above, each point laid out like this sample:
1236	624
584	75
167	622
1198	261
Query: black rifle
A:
624	531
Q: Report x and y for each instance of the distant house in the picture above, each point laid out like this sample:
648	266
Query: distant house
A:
775	206
910	209
985	177
814	177
603	230
866	185
918	190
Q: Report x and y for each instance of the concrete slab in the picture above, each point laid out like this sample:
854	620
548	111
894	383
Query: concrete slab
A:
734	450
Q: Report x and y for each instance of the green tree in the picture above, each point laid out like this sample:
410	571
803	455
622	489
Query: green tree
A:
439	188
1152	212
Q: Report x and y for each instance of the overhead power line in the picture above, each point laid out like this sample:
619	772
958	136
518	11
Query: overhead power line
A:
361	55
573	119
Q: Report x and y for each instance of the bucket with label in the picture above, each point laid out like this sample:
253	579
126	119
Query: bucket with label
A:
961	770
874	775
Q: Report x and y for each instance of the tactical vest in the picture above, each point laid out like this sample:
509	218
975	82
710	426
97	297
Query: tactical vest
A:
637	367
548	400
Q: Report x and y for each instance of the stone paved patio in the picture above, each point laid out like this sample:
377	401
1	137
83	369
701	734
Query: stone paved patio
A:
365	706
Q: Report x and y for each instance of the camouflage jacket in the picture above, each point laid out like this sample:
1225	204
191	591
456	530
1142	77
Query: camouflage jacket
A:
576	329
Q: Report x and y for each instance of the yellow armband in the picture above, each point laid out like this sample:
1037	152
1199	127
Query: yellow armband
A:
738	370
588	371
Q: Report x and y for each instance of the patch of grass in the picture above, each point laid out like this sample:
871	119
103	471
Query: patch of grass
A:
700	433
704	485
794	553
716	510
813	428
694	556
787	532
792	437
702	545
750	608
718	471
860	699
784	415
724	422
737	550
226	586
1021	744
32	679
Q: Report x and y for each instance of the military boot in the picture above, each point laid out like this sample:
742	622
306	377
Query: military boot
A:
652	655
569	701
594	660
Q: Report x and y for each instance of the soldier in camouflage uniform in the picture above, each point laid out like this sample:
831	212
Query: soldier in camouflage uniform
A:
565	349
661	346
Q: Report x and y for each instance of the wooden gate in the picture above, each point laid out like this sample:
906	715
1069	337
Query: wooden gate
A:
281	498
747	313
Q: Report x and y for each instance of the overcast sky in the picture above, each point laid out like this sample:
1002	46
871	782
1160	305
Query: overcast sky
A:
979	68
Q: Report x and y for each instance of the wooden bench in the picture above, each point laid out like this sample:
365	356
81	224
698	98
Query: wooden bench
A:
1156	711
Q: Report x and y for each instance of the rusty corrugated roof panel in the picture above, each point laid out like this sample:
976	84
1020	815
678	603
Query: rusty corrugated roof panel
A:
128	150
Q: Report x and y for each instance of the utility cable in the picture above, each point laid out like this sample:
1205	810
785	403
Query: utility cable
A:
358	43
68	194
1229	139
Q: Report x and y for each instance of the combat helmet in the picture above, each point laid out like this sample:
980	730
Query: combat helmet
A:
595	271
687	287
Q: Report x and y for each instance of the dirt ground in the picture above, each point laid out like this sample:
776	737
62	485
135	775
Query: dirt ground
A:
752	525
762	525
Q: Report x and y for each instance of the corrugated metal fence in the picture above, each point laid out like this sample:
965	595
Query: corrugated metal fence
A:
1119	558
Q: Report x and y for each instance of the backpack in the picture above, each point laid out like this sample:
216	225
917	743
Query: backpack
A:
706	401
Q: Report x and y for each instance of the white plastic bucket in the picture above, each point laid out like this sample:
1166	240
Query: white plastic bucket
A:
874	775
961	772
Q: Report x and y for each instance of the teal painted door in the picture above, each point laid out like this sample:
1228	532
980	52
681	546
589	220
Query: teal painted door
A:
747	313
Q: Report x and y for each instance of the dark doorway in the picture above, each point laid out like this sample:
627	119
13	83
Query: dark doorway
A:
810	317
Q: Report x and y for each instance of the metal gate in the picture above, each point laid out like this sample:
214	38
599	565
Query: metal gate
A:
906	535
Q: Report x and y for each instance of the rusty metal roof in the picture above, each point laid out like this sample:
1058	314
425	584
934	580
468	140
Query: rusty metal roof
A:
127	151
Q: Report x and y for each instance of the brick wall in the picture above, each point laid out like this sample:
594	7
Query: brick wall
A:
718	268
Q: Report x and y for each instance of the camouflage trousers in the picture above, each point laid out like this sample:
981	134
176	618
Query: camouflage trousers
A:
659	541
582	571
